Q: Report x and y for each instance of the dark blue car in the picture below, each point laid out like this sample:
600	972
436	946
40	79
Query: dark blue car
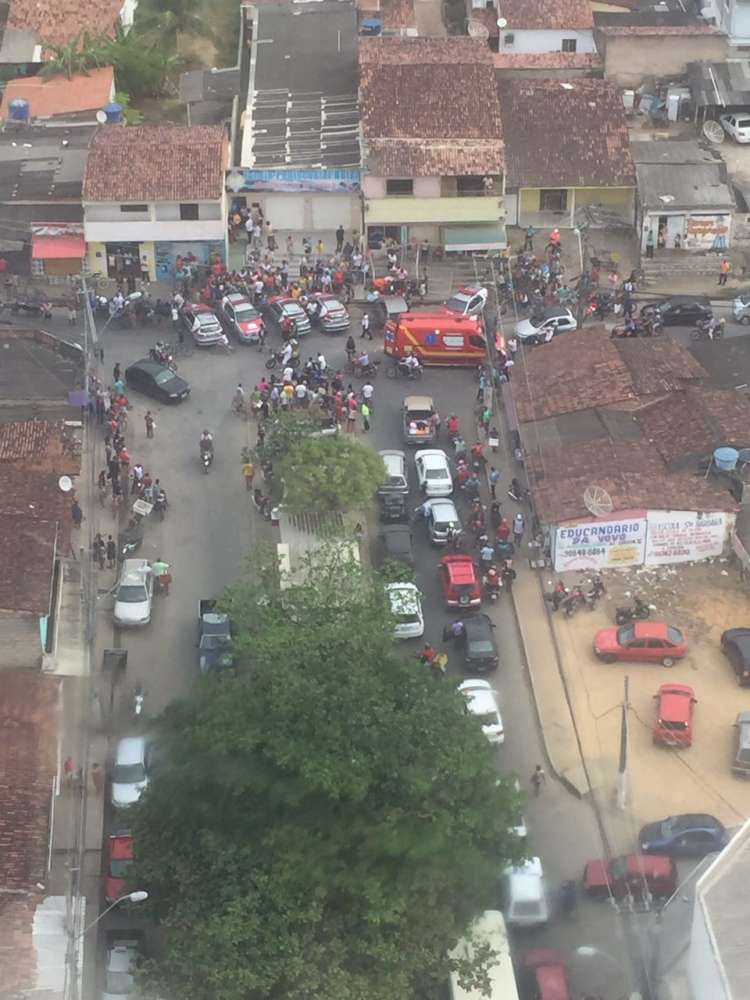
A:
691	835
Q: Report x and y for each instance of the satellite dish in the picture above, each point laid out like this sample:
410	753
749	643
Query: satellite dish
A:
476	29
597	501
502	23
65	483
101	117
713	131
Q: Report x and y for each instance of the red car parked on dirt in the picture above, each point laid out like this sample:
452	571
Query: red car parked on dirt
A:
674	715
546	969
652	642
459	580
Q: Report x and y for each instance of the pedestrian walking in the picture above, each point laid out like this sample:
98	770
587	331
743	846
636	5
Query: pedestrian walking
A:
365	411
270	238
494	478
365	327
519	526
351	348
650	244
538	778
111	552
150	425
486	419
248	471
493	439
68	769
76	513
351	416
368	391
97	778
725	269
117	372
339	239
528	240
100	550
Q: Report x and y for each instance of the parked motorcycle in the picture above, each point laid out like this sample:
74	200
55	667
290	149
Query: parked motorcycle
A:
130	539
708	329
597	589
573	601
42	308
138	700
638	612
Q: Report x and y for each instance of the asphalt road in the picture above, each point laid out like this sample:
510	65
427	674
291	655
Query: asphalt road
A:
211	527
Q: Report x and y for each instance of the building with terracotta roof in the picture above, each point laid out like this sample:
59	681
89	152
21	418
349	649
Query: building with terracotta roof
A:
546	65
535	26
636	45
432	168
32	25
567	150
613	432
61	95
154	199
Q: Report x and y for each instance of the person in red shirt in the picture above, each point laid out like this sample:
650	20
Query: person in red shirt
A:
503	531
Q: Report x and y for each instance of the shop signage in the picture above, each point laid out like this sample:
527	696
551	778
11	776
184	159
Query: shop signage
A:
683	536
600	544
294	181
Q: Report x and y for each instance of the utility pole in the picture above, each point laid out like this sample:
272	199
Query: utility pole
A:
584	282
622	780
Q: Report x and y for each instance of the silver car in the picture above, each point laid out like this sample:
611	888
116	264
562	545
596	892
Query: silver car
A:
130	771
741	309
134	593
441	517
119	979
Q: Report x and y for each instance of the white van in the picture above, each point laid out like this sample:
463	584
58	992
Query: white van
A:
487	929
525	896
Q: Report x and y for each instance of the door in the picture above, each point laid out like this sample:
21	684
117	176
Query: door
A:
675	228
285	211
635	650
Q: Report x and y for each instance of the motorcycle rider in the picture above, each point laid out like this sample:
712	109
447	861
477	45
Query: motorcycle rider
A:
206	442
451	425
411	364
491	580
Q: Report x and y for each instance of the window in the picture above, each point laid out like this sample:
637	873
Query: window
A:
134	208
553	200
568	44
399	185
509	39
188	211
470	185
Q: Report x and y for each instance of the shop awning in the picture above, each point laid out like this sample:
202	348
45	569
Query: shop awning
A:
58	247
456	238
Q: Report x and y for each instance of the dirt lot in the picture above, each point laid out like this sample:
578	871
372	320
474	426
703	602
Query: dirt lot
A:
702	600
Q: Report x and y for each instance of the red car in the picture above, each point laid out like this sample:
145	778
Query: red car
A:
459	578
652	642
120	859
630	875
241	318
674	715
546	967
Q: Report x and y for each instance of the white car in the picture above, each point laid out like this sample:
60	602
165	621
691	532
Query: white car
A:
406	606
736	125
482	704
440	516
545	325
467	301
130	771
134	593
122	958
525	896
433	472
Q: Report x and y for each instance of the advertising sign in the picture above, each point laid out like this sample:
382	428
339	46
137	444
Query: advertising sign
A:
600	544
683	536
336	181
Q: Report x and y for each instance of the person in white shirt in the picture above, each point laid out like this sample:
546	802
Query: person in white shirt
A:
301	393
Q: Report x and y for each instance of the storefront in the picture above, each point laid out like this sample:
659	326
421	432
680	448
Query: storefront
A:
161	260
637	538
57	249
304	201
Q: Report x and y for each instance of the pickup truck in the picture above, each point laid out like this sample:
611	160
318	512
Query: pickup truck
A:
214	637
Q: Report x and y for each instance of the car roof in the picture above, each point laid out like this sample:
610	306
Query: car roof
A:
121	847
675	701
480	698
477	623
651	630
418	403
679	300
689	820
146	365
237	298
437	502
461	569
432	456
740	637
651	864
555	311
130	750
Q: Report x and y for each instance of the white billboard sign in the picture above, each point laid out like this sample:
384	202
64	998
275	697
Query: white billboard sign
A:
600	544
684	536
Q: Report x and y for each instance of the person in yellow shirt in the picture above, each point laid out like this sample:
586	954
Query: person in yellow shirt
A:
248	471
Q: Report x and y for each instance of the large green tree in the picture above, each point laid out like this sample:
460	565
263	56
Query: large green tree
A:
335	473
166	20
325	823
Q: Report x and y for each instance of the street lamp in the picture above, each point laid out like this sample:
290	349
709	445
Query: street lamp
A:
588	951
130	897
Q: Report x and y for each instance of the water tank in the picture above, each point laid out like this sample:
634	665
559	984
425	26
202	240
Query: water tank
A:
726	459
18	110
113	113
371	26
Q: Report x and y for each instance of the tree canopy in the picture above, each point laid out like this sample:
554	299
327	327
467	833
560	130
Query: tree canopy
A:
334	473
324	823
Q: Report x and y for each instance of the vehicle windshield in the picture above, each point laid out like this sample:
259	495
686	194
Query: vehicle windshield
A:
436	472
526	908
407	618
163	377
488	719
672	724
480	647
625	635
119	869
135	594
456	303
245	314
120	983
292	309
214	641
128	774
418	414
674	636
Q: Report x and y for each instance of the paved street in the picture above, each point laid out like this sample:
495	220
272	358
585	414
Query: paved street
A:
211	526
